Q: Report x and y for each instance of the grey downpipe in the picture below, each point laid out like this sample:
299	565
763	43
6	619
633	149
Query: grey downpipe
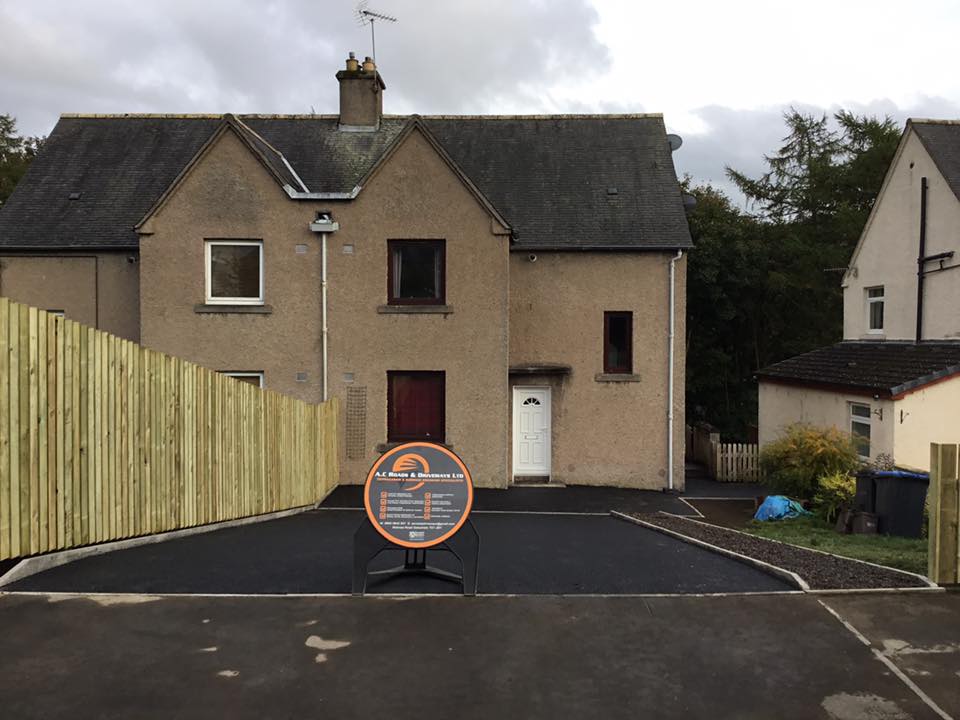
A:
921	258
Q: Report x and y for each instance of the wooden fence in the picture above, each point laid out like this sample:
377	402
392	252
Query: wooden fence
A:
102	439
737	462
725	462
943	558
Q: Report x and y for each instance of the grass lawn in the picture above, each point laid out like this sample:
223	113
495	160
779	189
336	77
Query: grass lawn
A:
904	553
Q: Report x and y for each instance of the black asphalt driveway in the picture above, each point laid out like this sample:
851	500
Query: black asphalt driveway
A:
312	553
761	656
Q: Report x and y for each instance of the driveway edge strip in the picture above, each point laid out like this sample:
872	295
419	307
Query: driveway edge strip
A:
926	699
929	584
41	563
790	577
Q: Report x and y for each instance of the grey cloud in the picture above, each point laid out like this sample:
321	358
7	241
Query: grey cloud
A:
218	56
740	138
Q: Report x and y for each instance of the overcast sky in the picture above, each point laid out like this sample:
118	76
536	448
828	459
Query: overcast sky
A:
722	73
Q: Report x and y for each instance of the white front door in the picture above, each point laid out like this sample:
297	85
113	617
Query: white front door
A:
531	431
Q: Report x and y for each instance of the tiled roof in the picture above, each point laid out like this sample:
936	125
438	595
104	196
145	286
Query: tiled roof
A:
882	368
941	139
561	182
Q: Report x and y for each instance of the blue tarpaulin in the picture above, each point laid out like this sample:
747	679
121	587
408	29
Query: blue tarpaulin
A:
776	507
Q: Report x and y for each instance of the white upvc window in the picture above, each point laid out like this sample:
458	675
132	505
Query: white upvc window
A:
234	272
860	428
247	376
875	309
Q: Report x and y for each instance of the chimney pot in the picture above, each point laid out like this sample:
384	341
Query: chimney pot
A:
352	64
368	64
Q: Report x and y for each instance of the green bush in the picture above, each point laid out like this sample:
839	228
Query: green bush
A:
795	463
834	492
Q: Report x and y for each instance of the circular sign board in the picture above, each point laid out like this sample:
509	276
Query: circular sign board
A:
418	494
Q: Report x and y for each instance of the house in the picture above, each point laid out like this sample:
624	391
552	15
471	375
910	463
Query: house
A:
894	380
511	286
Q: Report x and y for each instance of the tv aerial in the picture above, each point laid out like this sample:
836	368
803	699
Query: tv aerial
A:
366	16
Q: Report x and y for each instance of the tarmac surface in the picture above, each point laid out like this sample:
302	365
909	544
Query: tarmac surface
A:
312	553
760	656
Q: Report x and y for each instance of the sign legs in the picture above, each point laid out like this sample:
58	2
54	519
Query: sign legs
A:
368	543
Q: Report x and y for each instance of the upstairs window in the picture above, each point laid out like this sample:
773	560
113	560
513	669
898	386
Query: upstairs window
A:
416	272
860	428
234	272
618	342
875	309
416	406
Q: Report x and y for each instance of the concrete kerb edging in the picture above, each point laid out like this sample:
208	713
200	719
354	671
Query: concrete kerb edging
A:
40	563
790	577
928	584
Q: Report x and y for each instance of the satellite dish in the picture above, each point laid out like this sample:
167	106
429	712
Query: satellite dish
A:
675	142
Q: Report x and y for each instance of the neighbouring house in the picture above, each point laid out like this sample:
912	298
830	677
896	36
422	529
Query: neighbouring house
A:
894	380
500	284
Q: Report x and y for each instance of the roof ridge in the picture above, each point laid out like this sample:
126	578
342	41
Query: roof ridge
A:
546	116
317	116
931	121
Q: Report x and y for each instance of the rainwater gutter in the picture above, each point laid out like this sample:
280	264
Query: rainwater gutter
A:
670	369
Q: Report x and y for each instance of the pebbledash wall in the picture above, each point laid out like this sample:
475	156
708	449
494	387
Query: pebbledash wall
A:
97	288
607	430
415	195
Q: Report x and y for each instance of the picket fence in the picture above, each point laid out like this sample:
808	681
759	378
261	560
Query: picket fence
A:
103	439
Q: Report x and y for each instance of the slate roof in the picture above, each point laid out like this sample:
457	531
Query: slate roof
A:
941	139
886	369
562	182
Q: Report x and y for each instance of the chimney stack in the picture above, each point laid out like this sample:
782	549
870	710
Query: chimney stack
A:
361	95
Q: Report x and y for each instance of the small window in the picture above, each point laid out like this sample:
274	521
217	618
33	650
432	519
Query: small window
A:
415	406
415	275
531	401
875	309
618	342
254	378
860	428
234	270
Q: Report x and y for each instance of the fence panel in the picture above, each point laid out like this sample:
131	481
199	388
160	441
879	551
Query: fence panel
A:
102	439
738	462
943	558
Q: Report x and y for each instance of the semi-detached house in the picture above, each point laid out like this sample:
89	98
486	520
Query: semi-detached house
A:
511	286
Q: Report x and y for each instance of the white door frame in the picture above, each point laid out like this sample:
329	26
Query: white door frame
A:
546	393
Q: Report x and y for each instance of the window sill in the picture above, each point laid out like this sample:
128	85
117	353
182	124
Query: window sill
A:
616	378
384	447
415	309
234	309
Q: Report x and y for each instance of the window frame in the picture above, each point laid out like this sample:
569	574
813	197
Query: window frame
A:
392	435
871	301
607	368
245	374
441	298
861	420
208	245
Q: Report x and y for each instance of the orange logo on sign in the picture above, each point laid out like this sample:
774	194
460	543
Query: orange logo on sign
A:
411	462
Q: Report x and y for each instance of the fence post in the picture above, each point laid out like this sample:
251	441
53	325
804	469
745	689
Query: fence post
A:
943	557
714	445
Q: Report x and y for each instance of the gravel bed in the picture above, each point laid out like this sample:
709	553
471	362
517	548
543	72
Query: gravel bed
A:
821	572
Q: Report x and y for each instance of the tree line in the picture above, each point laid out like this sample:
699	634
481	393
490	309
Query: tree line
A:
763	282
